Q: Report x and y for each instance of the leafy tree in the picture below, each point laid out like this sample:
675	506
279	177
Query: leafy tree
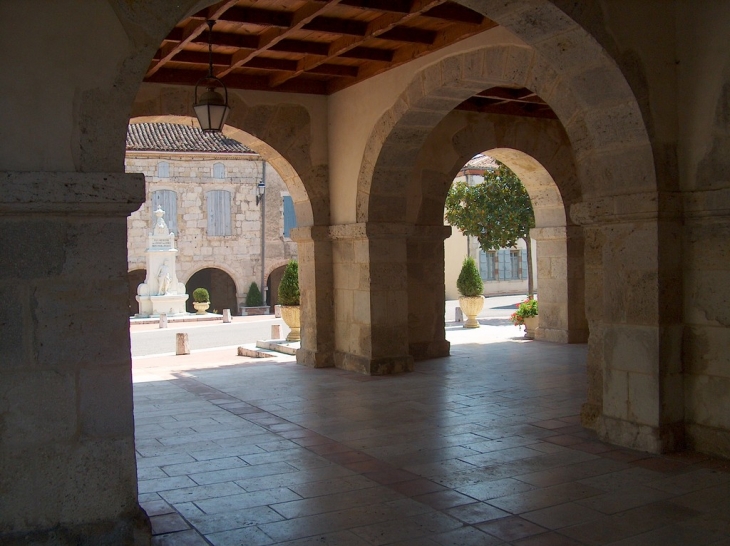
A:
254	297
497	212
289	286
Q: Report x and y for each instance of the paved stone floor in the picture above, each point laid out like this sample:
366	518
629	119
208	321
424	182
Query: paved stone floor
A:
481	448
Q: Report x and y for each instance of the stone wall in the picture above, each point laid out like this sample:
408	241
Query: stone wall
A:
191	176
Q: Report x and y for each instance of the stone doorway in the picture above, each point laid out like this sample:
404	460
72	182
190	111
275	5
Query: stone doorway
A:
272	284
221	287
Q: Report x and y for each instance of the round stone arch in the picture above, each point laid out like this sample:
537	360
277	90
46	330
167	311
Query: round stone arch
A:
618	206
274	272
217	283
539	151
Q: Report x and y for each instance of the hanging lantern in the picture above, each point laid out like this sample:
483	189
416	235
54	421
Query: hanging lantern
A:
211	108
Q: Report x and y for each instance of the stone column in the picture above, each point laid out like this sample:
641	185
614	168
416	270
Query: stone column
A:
67	460
633	306
314	249
426	292
560	284
371	298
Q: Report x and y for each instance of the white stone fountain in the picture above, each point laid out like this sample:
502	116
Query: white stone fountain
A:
161	292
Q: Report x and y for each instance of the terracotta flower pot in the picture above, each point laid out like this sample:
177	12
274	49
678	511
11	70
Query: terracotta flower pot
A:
471	306
292	318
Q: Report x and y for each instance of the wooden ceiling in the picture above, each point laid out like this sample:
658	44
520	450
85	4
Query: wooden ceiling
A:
317	46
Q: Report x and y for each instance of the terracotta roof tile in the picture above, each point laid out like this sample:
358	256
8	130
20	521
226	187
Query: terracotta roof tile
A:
171	137
481	162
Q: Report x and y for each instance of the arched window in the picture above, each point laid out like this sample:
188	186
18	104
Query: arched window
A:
219	171
219	212
167	200
163	169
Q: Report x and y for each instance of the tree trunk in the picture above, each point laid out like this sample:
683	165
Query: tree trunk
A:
530	285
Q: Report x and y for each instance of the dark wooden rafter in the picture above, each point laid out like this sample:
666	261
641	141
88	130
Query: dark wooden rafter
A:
376	28
193	28
508	101
299	19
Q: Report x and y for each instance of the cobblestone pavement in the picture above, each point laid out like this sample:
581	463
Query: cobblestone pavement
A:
481	448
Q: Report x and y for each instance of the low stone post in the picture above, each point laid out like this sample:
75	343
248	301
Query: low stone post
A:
183	347
226	315
276	331
458	315
163	320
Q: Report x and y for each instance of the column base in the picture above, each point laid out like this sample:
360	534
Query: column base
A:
373	366
429	349
589	415
710	440
130	530
664	439
315	359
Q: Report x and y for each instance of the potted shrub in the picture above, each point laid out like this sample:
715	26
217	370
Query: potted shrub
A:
470	287
201	300
526	315
289	299
254	304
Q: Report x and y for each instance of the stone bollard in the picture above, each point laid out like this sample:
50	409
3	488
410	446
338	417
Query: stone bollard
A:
226	315
276	331
277	311
163	320
459	315
183	348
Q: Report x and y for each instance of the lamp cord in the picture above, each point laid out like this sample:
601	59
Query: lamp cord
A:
210	48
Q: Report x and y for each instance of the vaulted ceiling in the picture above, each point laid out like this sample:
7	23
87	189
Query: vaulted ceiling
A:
321	47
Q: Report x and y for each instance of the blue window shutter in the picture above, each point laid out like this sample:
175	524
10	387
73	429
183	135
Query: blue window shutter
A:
163	169
524	263
483	265
491	256
502	264
219	212
167	200
507	264
290	219
219	170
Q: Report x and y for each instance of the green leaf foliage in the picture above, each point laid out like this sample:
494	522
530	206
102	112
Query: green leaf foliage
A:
200	295
469	282
497	212
289	287
254	297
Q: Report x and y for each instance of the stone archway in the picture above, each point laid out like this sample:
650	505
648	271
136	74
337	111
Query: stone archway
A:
604	126
539	152
219	284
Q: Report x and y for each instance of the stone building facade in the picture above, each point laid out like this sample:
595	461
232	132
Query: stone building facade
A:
209	187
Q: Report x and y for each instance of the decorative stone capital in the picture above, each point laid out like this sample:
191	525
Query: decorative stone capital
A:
308	234
107	194
370	230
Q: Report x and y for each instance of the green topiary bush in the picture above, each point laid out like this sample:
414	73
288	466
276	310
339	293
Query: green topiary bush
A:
469	282
289	287
254	297
200	295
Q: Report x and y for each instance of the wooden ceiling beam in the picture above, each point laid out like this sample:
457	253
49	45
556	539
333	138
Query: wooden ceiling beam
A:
198	57
259	17
334	25
191	31
410	35
237	81
375	28
299	19
396	6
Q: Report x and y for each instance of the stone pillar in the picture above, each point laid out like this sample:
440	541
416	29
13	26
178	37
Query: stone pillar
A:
633	306
67	460
426	292
314	250
371	298
561	285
